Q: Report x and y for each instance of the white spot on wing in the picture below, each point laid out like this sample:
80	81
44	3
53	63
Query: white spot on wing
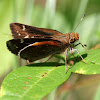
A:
17	31
27	36
19	34
32	37
23	28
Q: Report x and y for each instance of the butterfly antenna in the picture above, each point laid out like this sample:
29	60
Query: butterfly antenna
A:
79	22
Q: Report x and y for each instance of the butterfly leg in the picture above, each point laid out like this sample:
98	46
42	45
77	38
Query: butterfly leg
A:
28	62
83	45
73	50
49	58
66	52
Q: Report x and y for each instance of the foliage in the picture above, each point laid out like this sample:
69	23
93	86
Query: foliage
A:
37	80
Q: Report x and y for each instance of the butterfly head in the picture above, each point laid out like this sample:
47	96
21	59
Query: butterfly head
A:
73	37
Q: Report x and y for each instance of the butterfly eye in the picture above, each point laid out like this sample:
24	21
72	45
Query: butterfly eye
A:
72	37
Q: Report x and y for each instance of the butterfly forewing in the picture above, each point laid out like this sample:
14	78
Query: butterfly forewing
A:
20	31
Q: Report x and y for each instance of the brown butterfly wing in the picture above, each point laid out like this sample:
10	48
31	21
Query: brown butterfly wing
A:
20	31
42	49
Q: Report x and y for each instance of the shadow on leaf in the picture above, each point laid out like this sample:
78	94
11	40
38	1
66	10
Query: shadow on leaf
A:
45	64
77	59
52	64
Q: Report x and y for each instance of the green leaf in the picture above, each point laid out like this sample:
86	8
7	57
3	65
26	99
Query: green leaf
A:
92	66
37	80
34	81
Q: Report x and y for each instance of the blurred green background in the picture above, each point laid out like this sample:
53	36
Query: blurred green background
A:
61	15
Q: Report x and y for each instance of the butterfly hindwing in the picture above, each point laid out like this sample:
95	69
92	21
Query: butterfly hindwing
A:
40	48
